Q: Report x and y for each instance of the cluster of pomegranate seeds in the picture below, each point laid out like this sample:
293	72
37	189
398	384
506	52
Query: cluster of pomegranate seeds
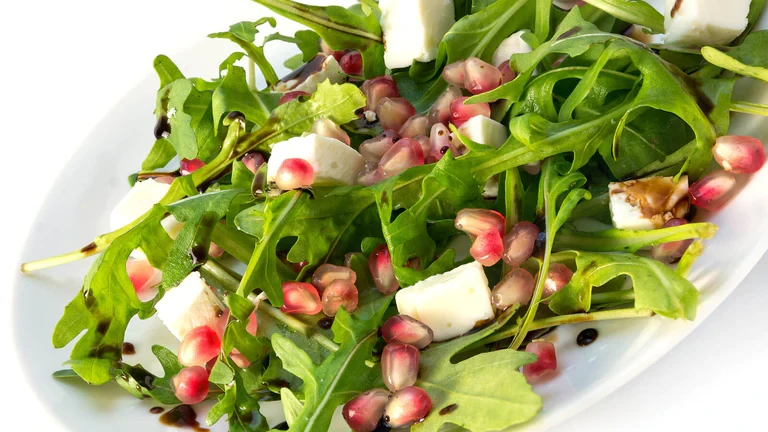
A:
475	75
364	411
558	276
340	292
399	365
301	298
461	112
188	166
190	385
291	95
546	362
294	173
144	278
519	243
253	160
516	287
199	346
404	329
380	265
407	406
714	190
327	273
670	253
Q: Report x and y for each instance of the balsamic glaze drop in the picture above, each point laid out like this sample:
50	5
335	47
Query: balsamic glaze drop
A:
325	323
182	416
156	410
162	128
449	409
586	337
128	348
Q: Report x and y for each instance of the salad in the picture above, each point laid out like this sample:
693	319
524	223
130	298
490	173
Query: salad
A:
392	229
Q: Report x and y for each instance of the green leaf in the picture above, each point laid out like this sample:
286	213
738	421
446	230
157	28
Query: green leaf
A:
142	384
292	407
162	152
657	287
221	373
170	105
632	11
723	60
234	95
166	70
240	307
618	240
244	34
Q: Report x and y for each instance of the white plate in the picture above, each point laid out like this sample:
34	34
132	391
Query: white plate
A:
78	207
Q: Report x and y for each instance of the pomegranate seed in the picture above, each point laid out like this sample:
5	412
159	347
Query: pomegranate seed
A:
546	362
380	264
480	76
371	175
188	166
190	385
461	113
404	154
291	95
340	292
519	243
739	154
404	329
669	253
215	251
558	276
487	248
507	74
240	360
407	406
253	160
294	174
221	323
301	298
364	411
327	128
198	346
533	168
415	126
455	73
399	365
352	63
378	88
440	143
144	278
515	288
373	149
425	144
338	55
713	191
327	273
441	109
477	221
394	112
166	179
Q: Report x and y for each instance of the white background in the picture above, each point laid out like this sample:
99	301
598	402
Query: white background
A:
64	63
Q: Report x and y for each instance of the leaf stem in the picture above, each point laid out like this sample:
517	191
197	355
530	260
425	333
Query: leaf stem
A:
749	108
613	297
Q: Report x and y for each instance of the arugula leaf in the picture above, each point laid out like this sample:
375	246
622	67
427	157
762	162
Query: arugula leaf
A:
656	286
162	152
141	384
632	11
166	70
170	106
244	34
503	400
340	28
619	240
723	60
233	94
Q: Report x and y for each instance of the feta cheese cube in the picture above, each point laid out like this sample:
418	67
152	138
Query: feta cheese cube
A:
310	74
413	29
511	45
451	303
705	22
484	130
648	203
139	200
191	304
333	161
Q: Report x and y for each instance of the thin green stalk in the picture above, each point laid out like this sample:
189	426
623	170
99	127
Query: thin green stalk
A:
749	108
613	297
513	201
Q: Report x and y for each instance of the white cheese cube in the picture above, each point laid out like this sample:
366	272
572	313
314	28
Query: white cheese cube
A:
451	303
191	304
413	29
511	45
705	22
484	130
648	203
310	74
333	161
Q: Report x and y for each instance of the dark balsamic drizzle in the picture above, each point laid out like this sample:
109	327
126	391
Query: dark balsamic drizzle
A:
156	410
325	323
162	128
128	348
89	247
586	337
182	416
449	409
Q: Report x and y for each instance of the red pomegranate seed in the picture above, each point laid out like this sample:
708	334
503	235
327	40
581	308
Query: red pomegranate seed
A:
294	174
558	276
440	143
352	63
507	74
404	154
407	406
327	128
190	385
340	292
253	160
378	88
669	253
546	362
424	143
215	251
327	273
301	298
373	149
404	329
455	73
480	77
198	346
364	411
477	221
399	365
519	243
713	191
461	113
188	166
515	288
394	112
291	95
371	175
415	126
441	109
144	278
380	265
240	360
739	154
487	248
221	323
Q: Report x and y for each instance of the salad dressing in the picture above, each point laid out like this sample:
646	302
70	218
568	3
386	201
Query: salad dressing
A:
128	348
182	416
586	337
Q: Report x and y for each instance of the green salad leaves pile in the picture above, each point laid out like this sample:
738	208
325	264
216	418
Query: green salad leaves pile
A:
593	104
